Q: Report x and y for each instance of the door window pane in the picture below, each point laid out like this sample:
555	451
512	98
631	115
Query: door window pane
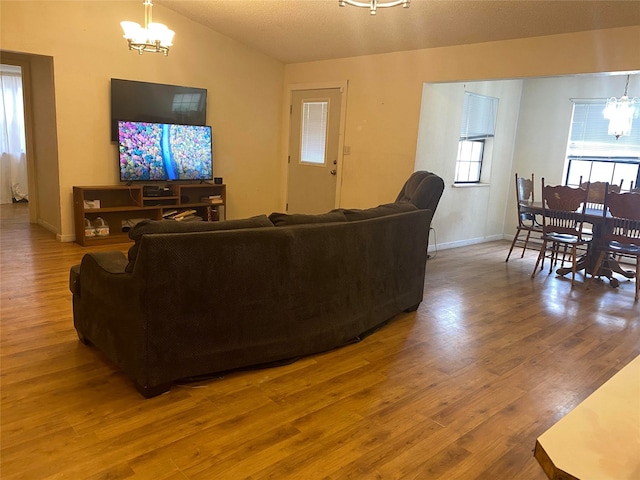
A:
314	132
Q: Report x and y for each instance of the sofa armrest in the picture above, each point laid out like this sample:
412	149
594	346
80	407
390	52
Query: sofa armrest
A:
110	262
74	279
109	309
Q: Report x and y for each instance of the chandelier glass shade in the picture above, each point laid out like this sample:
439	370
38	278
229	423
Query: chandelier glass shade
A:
373	5
620	112
153	37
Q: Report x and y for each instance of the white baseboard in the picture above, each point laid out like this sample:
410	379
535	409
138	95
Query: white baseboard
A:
54	230
65	238
466	242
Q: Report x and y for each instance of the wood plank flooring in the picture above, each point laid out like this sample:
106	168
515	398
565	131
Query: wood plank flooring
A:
460	389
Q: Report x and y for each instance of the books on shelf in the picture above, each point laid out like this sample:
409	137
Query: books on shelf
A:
213	199
178	215
183	214
192	218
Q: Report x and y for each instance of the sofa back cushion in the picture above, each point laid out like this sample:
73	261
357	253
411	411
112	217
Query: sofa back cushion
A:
146	227
379	211
283	219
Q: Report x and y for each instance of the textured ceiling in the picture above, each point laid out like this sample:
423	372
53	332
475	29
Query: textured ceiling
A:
295	31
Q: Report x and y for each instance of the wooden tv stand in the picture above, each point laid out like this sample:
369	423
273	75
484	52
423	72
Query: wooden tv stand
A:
121	206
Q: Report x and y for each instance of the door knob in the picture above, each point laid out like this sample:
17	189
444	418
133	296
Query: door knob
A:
333	172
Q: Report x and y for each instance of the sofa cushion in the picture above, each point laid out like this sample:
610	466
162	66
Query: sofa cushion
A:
282	219
379	211
171	226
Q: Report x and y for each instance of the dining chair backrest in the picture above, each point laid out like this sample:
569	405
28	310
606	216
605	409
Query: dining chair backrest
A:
623	219
524	195
524	189
563	208
597	191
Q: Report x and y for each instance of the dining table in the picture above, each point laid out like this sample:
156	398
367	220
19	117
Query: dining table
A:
587	262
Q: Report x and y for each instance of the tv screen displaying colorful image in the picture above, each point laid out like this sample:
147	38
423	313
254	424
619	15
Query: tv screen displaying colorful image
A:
164	151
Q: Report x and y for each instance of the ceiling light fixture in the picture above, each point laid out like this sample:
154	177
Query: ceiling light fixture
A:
620	112
375	4
154	37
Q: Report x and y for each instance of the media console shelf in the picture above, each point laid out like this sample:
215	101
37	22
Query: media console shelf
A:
121	207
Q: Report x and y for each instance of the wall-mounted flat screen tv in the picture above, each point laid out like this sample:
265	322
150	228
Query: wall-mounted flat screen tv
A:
164	152
156	103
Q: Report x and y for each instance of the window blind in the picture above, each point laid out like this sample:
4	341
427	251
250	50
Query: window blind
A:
478	117
314	132
589	135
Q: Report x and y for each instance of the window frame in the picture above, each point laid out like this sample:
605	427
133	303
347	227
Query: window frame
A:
471	160
324	124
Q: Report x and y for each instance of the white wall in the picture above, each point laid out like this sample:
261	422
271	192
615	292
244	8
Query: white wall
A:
473	213
532	132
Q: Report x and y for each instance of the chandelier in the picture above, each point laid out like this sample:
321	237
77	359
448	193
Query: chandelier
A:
620	112
374	4
153	37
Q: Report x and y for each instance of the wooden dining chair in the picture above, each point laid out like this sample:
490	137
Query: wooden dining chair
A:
621	231
596	198
562	224
527	222
597	192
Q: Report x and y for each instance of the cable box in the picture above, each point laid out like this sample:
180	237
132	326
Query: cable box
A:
154	191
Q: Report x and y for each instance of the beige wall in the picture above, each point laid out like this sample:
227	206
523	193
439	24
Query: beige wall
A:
43	129
384	104
247	94
85	41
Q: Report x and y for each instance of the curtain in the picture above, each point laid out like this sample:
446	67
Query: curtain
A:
13	163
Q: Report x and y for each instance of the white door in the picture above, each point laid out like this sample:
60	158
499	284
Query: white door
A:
313	150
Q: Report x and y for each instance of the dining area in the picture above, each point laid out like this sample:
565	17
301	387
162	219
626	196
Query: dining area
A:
591	229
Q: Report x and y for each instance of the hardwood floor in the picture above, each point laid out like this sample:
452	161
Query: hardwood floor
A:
460	389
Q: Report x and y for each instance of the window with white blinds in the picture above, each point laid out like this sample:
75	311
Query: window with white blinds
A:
478	126
594	155
478	117
314	132
589	134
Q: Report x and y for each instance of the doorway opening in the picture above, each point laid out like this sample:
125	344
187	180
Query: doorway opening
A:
14	178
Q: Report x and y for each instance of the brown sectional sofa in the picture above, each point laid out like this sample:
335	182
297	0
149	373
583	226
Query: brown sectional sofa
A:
194	299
